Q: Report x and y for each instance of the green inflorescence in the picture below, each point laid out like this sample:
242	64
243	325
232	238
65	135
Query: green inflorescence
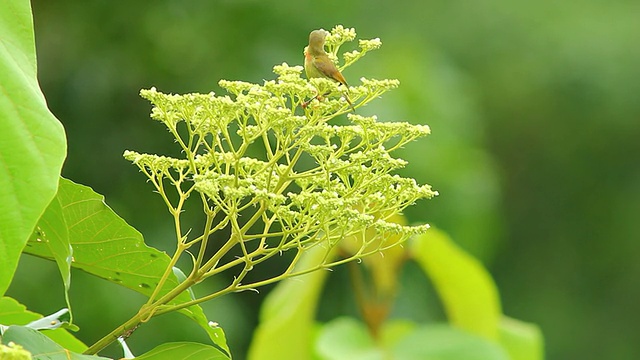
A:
13	351
280	176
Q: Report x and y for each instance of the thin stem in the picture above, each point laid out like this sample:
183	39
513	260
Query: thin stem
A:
179	250
143	315
205	238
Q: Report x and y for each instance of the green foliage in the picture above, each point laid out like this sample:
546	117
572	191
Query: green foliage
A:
286	328
447	343
476	329
12	312
467	291
183	351
106	246
40	346
532	105
32	142
523	341
278	178
319	184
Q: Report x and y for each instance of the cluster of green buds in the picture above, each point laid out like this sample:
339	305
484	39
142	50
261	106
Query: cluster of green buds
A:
275	176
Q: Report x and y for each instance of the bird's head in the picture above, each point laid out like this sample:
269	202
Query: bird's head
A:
316	41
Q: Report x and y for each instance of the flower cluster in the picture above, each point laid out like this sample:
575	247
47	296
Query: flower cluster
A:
281	174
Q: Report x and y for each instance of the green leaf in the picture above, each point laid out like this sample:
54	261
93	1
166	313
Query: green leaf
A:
40	346
52	232
219	337
287	316
215	332
14	313
183	351
32	141
347	338
106	246
394	330
443	342
466	289
103	243
522	340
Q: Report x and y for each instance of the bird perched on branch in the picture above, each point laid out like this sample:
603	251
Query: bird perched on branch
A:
318	65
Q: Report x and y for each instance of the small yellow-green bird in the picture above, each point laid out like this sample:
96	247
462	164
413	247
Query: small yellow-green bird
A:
317	63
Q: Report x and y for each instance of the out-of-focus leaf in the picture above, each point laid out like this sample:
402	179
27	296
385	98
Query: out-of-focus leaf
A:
346	339
40	346
106	246
32	141
183	351
287	315
395	330
443	342
14	313
466	289
522	340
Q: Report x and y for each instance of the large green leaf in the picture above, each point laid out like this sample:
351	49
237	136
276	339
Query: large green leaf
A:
466	289
347	338
40	346
443	342
32	141
103	243
183	351
522	340
14	313
106	246
52	232
287	315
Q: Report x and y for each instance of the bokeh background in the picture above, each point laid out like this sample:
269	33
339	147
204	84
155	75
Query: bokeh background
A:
534	108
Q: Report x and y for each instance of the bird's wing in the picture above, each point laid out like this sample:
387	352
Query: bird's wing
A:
329	70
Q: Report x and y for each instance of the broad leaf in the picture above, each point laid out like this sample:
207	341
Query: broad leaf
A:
523	341
183	351
347	338
287	315
466	289
443	342
106	246
52	232
40	346
32	141
14	313
395	330
103	243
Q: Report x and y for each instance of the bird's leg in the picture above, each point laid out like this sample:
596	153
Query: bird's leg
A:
306	103
346	97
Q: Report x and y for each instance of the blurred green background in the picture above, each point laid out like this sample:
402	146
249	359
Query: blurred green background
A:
534	108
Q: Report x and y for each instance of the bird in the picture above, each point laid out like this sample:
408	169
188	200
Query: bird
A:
318	65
